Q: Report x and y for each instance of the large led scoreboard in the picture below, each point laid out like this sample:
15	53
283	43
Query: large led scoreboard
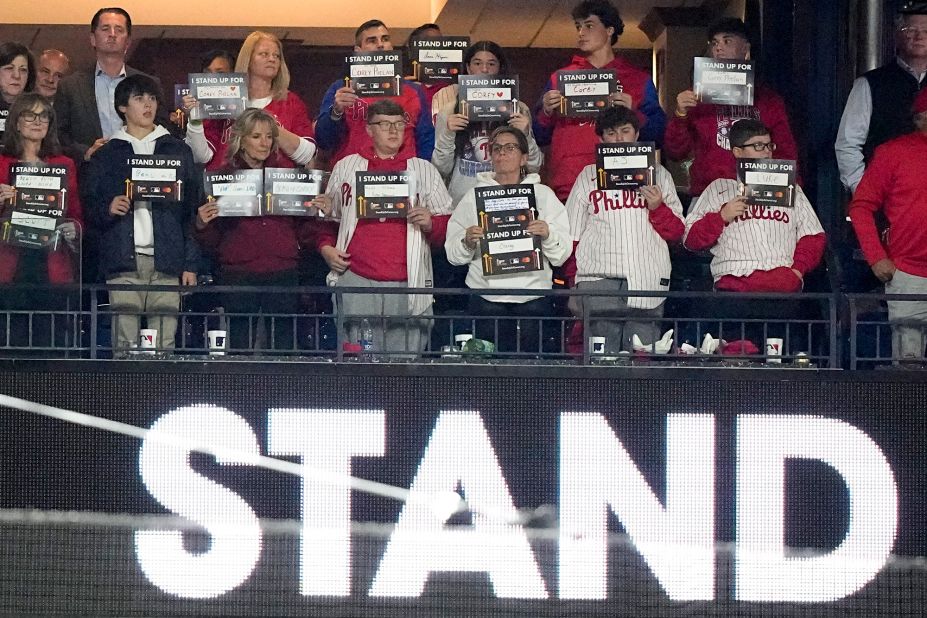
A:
589	491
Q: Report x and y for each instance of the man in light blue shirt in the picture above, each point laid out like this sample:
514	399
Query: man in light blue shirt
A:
81	131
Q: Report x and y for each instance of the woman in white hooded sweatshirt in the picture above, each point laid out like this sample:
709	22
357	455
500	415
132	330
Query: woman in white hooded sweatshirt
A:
509	152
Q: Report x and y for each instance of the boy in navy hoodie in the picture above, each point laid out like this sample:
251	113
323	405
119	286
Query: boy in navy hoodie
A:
142	242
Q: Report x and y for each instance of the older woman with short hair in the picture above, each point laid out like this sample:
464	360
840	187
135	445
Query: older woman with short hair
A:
509	154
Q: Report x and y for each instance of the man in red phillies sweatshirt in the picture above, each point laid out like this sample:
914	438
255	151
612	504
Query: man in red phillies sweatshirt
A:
386	252
573	140
895	183
700	130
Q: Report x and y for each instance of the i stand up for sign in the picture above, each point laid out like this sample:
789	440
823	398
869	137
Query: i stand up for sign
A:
723	82
384	195
438	60
219	96
238	193
38	204
504	213
290	191
180	91
627	165
767	182
154	178
585	92
376	74
487	98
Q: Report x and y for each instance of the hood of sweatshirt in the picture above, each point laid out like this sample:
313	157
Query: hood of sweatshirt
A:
484	179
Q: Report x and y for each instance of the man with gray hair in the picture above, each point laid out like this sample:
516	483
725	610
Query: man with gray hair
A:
878	108
53	64
895	185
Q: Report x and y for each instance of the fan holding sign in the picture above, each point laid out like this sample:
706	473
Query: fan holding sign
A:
510	231
32	158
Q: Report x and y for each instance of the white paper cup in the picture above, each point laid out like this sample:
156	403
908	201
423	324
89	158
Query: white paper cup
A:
216	342
461	340
774	350
597	345
148	340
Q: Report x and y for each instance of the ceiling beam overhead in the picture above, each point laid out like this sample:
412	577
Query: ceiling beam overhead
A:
459	17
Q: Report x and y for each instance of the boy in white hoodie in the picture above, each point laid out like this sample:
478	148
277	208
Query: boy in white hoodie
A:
509	151
142	243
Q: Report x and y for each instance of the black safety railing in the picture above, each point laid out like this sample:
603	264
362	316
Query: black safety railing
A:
314	324
887	330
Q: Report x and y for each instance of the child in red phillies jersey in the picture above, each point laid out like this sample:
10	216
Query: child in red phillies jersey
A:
754	248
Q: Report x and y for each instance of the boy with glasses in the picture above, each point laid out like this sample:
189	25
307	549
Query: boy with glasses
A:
394	252
754	248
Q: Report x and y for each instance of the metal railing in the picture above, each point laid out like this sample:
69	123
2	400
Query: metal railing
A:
313	329
875	335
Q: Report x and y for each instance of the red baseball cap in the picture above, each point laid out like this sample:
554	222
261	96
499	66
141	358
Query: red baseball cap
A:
920	102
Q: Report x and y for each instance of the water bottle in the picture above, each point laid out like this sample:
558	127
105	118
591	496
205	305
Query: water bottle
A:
367	342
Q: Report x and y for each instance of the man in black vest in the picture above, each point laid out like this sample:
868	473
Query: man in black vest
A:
879	106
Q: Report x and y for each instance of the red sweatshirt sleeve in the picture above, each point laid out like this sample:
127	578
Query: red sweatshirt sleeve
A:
808	253
569	267
868	199
705	232
326	235
312	232
299	121
209	237
75	210
666	223
438	230
677	141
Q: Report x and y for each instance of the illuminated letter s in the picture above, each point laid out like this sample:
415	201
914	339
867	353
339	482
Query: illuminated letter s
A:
234	528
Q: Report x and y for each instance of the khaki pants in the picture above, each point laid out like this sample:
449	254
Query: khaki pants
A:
128	306
907	340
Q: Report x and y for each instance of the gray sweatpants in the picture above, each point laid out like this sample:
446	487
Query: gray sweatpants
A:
395	331
610	316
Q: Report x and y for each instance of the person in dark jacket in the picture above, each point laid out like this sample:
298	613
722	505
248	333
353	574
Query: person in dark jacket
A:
142	242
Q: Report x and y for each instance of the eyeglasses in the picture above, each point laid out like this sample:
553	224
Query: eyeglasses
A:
509	148
912	32
42	117
760	146
386	125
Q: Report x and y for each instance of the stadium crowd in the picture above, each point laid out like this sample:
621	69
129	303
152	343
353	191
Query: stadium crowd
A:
590	237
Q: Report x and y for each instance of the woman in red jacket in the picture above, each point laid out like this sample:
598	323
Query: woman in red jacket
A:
261	58
256	251
32	137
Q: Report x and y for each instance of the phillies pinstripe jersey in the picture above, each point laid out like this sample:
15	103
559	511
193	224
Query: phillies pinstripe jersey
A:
616	238
762	238
430	192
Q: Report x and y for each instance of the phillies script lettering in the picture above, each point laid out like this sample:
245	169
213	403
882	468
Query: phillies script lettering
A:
603	200
756	211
